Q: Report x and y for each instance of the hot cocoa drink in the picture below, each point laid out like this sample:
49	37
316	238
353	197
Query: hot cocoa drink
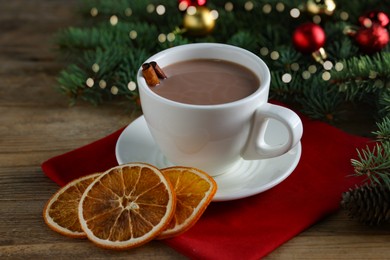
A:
228	123
207	82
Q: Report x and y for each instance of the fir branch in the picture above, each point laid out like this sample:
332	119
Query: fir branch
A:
111	70
290	92
321	102
362	75
374	164
287	56
72	83
128	10
383	133
103	35
244	38
341	48
384	102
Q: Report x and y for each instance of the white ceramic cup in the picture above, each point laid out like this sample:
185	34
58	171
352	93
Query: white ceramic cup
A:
215	137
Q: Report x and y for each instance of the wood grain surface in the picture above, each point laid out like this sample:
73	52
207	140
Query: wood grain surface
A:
36	123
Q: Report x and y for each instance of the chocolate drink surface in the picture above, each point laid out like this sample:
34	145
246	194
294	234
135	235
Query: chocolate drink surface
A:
207	82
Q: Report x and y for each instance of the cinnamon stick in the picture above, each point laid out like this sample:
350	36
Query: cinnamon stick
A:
160	73
150	75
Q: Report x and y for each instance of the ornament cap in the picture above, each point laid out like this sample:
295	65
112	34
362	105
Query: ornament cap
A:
319	55
321	7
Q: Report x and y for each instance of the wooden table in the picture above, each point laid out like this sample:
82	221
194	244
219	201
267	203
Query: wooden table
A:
36	123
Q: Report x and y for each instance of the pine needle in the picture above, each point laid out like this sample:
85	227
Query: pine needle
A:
374	164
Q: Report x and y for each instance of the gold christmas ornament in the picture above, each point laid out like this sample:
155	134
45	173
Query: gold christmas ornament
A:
320	7
198	21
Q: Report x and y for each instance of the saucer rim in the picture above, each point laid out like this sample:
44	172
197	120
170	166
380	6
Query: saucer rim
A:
266	186
236	195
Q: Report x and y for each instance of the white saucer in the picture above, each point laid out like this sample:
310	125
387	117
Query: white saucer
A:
246	178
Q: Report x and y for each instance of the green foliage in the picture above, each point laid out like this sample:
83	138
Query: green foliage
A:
374	164
383	132
365	78
265	29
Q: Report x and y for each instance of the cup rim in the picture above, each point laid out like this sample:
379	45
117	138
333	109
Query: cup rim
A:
264	82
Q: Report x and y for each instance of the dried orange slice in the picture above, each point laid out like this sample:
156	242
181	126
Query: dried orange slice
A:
61	211
194	191
127	206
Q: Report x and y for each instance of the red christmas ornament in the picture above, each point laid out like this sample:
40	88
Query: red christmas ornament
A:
374	17
308	38
372	39
183	4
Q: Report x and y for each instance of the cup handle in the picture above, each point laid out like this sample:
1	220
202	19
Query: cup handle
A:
256	147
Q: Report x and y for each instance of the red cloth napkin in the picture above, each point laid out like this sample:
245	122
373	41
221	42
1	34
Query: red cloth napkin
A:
252	227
